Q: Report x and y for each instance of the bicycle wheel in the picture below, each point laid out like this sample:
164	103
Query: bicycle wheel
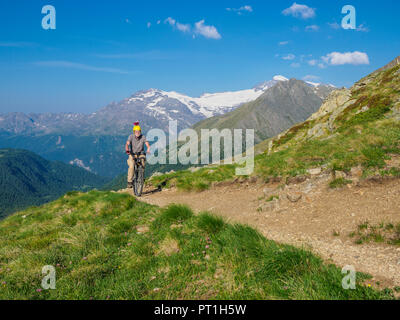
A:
139	181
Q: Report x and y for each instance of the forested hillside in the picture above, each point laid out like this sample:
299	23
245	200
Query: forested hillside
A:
27	179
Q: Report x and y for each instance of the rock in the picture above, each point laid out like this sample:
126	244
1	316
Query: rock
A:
172	171
270	145
332	103
314	171
194	169
294	197
270	205
267	191
253	180
356	172
156	174
340	174
308	188
176	226
318	130
363	109
142	229
296	180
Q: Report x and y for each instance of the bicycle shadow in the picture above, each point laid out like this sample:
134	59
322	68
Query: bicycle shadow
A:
156	190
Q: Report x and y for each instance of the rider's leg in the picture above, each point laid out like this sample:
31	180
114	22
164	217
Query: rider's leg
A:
131	171
143	160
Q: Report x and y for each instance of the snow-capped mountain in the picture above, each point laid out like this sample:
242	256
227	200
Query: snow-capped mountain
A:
207	105
154	108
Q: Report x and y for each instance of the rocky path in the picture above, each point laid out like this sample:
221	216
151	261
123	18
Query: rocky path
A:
309	214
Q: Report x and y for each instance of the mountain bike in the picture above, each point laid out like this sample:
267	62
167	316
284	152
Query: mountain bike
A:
138	180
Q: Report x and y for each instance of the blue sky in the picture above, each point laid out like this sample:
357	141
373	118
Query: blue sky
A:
103	51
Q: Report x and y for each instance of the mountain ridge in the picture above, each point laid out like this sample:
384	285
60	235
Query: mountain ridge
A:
153	107
277	109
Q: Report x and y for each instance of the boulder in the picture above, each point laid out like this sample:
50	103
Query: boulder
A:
315	171
294	197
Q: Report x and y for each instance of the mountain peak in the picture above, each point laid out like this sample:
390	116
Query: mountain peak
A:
280	78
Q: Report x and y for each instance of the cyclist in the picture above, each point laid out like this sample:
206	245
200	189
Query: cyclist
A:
135	147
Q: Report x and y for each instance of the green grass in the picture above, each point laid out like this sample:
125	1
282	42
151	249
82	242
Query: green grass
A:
195	181
379	233
110	246
339	183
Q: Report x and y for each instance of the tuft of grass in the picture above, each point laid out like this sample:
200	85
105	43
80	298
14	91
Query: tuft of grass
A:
380	233
210	223
339	183
272	198
176	212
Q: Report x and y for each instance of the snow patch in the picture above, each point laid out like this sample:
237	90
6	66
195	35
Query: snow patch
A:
280	78
79	163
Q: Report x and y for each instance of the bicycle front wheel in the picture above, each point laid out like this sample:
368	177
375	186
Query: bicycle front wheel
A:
139	181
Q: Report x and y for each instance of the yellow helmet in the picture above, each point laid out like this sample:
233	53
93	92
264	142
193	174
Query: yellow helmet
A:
136	127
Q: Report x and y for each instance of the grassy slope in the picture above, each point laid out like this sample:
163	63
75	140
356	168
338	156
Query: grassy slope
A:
92	241
367	139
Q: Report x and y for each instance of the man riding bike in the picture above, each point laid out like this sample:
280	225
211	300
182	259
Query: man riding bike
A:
135	148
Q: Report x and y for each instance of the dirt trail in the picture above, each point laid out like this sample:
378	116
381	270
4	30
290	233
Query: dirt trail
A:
312	220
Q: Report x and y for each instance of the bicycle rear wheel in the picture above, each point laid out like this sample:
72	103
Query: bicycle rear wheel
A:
139	181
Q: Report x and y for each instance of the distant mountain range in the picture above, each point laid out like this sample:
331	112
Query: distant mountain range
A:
154	108
276	110
95	141
27	179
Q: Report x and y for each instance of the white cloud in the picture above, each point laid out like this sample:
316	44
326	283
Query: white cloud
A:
148	24
240	10
312	28
362	28
170	21
290	56
183	27
313	62
74	65
295	65
354	58
299	11
209	32
334	25
128	21
311	77
283	43
159	21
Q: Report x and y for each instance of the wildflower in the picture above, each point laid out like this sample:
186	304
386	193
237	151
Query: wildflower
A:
4	283
38	290
84	258
207	246
129	244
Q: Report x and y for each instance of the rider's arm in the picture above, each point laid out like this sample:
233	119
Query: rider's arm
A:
127	147
148	146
